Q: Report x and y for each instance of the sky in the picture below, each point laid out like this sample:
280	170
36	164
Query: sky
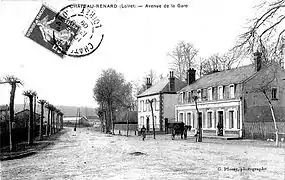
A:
135	41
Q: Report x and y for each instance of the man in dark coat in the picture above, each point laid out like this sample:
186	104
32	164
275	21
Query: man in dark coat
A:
143	131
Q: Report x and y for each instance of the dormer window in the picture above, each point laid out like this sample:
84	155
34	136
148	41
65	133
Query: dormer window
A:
210	93
232	91
189	96
221	92
199	93
181	96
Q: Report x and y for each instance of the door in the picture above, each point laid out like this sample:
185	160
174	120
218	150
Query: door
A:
200	120
147	124
220	125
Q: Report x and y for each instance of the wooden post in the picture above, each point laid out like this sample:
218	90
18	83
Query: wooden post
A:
42	119
128	123
10	129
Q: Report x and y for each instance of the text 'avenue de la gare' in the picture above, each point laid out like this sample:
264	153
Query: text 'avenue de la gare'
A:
154	6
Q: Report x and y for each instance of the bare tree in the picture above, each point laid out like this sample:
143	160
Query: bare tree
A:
48	106
42	103
266	32
13	81
30	94
183	55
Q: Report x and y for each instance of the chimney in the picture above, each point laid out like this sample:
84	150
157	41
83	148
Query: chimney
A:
257	60
171	81
148	83
191	76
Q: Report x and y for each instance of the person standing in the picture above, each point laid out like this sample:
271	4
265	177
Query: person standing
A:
143	132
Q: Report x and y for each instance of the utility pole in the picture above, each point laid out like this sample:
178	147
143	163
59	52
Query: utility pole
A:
76	119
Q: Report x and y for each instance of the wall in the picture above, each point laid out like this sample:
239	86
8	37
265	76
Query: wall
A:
132	127
170	100
143	114
262	130
256	106
258	118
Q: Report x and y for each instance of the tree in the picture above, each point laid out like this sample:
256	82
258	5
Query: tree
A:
112	90
42	103
48	129
52	109
30	94
266	32
217	62
13	81
199	120
183	55
151	106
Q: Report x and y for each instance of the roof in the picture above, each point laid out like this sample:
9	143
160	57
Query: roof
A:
162	86
72	118
92	117
232	76
25	111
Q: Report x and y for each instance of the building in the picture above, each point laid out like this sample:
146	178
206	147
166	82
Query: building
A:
79	121
94	120
163	96
234	100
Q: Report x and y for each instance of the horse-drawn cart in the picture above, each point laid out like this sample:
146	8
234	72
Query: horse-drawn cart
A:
177	128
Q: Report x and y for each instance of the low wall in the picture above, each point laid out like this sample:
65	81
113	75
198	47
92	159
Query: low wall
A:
262	130
132	127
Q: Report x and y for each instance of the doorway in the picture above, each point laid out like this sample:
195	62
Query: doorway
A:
147	124
220	125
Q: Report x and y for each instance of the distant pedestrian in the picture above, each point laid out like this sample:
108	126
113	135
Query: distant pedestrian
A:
143	132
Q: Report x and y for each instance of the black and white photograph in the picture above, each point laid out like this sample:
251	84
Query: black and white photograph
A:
142	90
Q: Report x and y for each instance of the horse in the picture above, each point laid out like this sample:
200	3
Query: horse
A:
180	129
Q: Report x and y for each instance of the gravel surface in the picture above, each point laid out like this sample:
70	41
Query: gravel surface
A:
87	154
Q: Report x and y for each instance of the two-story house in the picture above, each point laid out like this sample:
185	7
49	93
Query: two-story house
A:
232	100
163	96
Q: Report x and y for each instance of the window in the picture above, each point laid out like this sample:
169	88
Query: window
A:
189	96
142	121
221	92
210	94
231	119
209	119
183	97
188	122
148	106
141	105
156	104
144	106
232	91
199	92
274	93
180	117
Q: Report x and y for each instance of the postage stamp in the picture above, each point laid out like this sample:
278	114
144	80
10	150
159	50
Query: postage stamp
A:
52	31
90	35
